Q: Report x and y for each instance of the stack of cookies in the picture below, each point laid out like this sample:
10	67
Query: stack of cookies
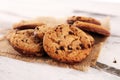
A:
70	42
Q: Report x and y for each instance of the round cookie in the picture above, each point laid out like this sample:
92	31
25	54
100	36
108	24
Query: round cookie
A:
31	24
25	43
92	28
40	31
73	19
67	44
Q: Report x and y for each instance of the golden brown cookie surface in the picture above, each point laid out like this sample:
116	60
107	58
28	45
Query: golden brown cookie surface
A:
25	43
67	44
92	28
73	19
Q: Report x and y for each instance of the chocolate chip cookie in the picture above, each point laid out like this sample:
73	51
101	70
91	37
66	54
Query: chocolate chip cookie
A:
25	43
92	28
73	19
67	44
31	24
40	31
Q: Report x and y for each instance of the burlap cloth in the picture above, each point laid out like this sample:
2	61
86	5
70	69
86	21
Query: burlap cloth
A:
7	50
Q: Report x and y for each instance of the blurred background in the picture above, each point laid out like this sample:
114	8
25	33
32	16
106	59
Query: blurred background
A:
12	11
57	8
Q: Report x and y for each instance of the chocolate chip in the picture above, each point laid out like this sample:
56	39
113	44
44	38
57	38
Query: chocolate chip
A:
89	46
62	48
60	59
64	36
56	52
23	33
56	29
60	27
58	41
69	47
77	48
26	40
22	40
82	46
71	33
37	28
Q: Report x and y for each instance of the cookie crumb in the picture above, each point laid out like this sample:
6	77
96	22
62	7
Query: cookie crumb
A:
114	61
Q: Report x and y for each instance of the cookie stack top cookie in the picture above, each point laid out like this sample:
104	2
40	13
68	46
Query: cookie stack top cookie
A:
88	24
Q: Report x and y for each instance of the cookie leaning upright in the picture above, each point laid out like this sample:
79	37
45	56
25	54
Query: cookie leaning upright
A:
88	24
73	19
30	24
25	43
67	44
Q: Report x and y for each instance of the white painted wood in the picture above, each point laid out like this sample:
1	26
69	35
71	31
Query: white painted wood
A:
11	69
